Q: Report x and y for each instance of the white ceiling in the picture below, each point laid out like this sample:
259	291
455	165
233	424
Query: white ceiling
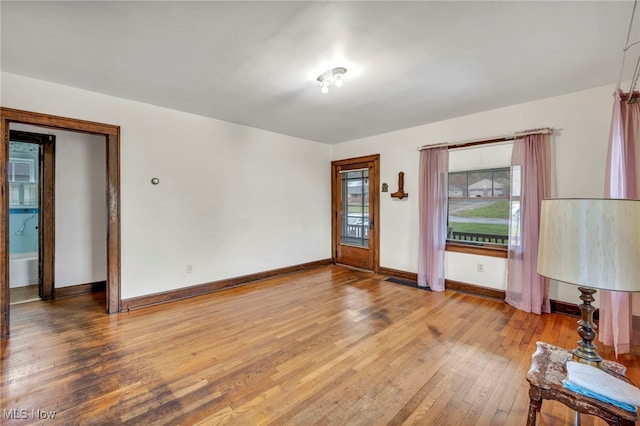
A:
255	63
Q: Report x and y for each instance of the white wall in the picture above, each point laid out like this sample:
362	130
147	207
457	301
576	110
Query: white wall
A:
232	200
81	209
581	121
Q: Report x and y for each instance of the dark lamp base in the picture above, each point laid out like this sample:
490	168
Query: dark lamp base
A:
586	352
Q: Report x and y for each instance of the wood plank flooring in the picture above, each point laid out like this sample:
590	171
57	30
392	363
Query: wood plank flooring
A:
330	346
23	294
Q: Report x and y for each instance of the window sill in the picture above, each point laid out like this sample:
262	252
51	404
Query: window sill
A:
482	250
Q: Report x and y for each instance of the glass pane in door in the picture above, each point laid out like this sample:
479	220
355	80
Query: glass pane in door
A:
355	208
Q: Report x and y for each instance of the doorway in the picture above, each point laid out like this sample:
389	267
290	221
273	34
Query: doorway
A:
355	211
31	215
112	138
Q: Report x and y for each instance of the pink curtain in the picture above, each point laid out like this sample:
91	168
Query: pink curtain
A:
622	180
432	210
531	172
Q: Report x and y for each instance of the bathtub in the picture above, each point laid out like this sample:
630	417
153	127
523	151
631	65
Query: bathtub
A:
23	269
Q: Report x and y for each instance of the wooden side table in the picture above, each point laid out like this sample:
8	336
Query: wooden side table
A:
548	370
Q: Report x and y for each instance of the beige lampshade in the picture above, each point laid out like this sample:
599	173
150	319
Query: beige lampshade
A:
591	243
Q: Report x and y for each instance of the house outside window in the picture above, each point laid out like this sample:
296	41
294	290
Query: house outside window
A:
355	204
478	207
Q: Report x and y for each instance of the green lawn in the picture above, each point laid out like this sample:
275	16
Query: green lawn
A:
358	209
480	228
498	210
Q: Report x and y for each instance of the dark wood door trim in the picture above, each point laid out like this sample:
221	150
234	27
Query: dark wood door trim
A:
114	299
47	231
374	200
112	134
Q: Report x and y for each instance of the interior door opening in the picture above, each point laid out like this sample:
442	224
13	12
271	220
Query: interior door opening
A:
111	135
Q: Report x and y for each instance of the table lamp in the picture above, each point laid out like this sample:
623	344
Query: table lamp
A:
594	244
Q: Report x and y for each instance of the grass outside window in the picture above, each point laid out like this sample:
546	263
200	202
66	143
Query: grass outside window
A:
479	208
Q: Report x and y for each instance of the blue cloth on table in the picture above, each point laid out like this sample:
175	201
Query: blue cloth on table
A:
586	392
598	384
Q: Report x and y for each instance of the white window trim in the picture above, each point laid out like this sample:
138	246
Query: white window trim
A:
29	161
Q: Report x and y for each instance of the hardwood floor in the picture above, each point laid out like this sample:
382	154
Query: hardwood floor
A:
326	346
23	294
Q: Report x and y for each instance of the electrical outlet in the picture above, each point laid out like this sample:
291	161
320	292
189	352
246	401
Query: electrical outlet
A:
480	267
189	269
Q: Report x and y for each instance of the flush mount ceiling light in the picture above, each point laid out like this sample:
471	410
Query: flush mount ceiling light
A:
333	76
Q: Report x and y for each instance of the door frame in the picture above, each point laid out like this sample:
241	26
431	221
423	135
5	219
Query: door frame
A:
112	143
374	204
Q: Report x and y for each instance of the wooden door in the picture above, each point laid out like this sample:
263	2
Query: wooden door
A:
355	204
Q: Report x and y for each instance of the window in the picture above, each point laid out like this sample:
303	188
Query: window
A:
478	207
355	207
23	188
21	170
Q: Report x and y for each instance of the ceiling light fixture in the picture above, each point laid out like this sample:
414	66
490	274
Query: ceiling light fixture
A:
333	76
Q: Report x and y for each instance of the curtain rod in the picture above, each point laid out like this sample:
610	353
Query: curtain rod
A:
494	139
627	45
